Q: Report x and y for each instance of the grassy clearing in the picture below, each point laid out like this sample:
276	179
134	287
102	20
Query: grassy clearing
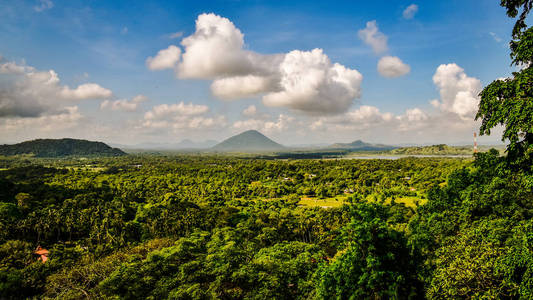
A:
337	201
324	203
88	168
409	201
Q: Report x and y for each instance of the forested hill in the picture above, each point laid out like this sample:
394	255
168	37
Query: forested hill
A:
441	149
361	146
251	140
60	147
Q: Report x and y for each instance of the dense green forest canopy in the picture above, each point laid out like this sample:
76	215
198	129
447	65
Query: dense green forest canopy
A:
441	149
222	227
234	228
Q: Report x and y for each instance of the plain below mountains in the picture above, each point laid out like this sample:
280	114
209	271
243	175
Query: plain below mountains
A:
248	141
185	144
60	148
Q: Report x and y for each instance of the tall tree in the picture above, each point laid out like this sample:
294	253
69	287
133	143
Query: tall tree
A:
509	102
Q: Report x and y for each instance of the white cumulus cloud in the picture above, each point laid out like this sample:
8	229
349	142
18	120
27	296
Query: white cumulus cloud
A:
68	118
179	109
367	122
13	68
363	117
124	104
392	66
250	111
458	92
371	36
181	116
86	91
410	11
27	92
311	83
305	81
215	50
414	114
368	114
165	59
239	87
265	125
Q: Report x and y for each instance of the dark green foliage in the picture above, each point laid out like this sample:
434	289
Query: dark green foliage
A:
509	102
513	7
522	48
475	233
202	227
490	259
60	147
376	263
193	227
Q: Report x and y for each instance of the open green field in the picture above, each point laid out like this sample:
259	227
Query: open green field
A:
409	201
324	203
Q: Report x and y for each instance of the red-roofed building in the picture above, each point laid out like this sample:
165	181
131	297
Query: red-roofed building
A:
43	253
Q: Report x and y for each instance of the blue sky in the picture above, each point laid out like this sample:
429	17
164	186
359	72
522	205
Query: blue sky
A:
108	42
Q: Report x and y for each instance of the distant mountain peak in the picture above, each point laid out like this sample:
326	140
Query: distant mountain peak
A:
360	145
250	140
358	142
251	132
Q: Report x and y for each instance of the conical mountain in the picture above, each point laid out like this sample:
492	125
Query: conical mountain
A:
251	140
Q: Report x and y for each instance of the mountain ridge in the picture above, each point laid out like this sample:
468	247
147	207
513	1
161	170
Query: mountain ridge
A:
60	148
360	145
